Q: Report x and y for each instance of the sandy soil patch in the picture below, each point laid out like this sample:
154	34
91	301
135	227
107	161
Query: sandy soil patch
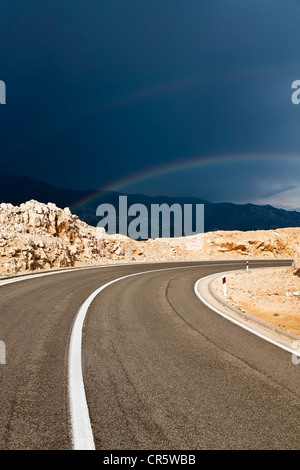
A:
267	294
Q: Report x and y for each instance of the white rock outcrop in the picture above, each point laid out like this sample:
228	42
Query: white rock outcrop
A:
35	236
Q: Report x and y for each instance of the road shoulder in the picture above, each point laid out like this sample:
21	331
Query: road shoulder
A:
206	293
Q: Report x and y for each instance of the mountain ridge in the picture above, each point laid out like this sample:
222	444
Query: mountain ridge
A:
83	203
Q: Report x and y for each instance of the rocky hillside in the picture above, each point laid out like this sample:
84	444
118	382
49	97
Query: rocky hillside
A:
36	236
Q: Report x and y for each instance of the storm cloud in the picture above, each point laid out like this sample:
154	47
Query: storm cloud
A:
99	91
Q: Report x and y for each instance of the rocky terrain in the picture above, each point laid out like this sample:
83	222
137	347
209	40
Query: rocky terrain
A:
36	236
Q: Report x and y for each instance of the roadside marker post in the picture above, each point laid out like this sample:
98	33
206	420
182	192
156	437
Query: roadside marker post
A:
247	266
224	285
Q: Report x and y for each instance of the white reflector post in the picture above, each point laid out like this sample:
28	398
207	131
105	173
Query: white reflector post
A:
224	285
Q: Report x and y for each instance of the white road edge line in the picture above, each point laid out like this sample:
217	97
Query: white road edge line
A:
82	434
27	277
292	351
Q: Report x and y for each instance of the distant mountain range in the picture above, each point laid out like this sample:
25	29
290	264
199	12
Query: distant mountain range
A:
218	216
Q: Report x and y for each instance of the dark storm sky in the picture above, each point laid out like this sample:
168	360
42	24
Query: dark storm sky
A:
100	90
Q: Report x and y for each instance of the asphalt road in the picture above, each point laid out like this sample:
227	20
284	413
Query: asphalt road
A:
161	370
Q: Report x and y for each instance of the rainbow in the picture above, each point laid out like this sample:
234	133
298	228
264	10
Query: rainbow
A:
198	162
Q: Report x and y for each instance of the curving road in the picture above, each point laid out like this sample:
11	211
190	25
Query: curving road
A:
161	370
